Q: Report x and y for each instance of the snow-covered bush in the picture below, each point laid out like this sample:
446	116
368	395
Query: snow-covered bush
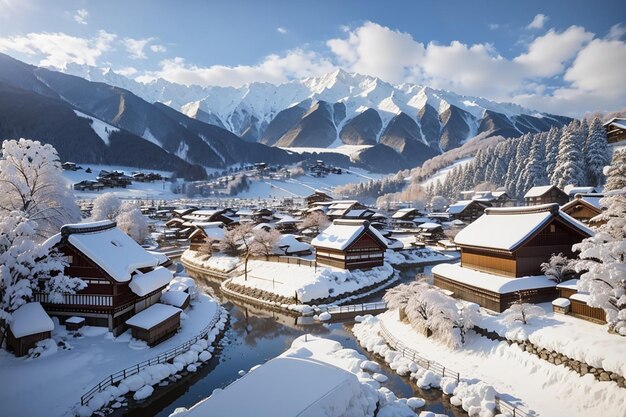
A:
521	312
558	268
31	181
106	207
602	257
438	203
24	264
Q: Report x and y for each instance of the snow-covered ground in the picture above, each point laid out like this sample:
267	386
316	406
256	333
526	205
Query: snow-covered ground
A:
578	339
308	282
52	384
347	150
443	173
146	190
219	262
305	185
518	376
334	382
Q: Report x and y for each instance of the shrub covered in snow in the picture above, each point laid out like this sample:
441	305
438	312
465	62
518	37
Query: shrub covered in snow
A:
521	312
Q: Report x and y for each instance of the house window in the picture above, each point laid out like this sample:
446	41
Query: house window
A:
69	259
552	228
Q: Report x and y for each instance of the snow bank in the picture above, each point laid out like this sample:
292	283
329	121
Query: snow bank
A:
219	262
307	282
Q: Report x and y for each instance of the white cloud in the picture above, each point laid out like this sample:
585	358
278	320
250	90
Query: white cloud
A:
616	32
493	26
538	22
158	48
127	71
135	47
81	16
548	54
273	69
281	30
59	49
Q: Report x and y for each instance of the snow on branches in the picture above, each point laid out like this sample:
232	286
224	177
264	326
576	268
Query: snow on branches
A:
132	222
25	265
31	181
431	311
558	268
106	207
521	312
602	257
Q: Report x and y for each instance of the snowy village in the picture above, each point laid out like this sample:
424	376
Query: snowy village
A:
365	220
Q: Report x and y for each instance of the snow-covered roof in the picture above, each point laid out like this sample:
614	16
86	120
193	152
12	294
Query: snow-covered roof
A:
143	284
340	235
283	387
403	212
289	244
152	316
616	121
580	296
429	226
507	228
110	248
30	318
491	282
286	219
561	302
459	206
572	190
570	284
174	298
538	191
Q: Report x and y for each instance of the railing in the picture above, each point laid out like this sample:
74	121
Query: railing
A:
161	358
409	353
356	308
93	300
292	260
502	405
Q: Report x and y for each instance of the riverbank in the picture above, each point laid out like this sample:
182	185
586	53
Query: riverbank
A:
528	382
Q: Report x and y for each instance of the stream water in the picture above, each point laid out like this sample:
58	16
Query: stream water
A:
255	336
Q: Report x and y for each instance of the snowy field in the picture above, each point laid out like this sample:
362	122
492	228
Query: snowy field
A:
305	185
219	262
336	382
520	377
144	190
308	282
52	384
443	173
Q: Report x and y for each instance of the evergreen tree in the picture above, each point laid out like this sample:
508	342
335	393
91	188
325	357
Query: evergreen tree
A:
597	152
552	150
535	171
570	162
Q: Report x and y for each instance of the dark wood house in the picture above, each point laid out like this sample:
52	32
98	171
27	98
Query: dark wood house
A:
467	210
583	209
317	197
615	129
350	244
502	253
575	303
545	194
122	277
30	324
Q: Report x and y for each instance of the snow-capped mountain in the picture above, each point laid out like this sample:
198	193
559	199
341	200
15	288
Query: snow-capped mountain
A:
339	108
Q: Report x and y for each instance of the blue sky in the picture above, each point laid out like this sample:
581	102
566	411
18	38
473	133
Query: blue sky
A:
549	55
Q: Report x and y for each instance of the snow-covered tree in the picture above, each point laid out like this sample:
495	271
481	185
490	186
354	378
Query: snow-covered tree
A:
438	203
597	152
558	268
31	181
602	257
26	266
535	169
106	207
240	240
552	150
570	161
315	221
132	222
264	242
521	312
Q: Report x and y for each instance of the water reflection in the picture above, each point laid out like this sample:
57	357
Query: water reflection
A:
253	337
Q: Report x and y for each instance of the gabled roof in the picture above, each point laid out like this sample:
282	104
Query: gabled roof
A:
616	121
539	190
459	206
581	201
572	190
508	228
29	319
342	234
110	248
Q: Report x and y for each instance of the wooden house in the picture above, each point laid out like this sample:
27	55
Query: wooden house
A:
30	324
502	253
350	244
545	194
206	233
583	209
317	197
155	324
287	224
339	209
122	277
572	190
467	210
615	129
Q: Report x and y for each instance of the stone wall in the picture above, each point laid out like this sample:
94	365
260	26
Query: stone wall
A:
557	358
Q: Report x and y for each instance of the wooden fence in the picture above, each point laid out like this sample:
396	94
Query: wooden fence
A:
356	308
161	358
292	260
502	405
